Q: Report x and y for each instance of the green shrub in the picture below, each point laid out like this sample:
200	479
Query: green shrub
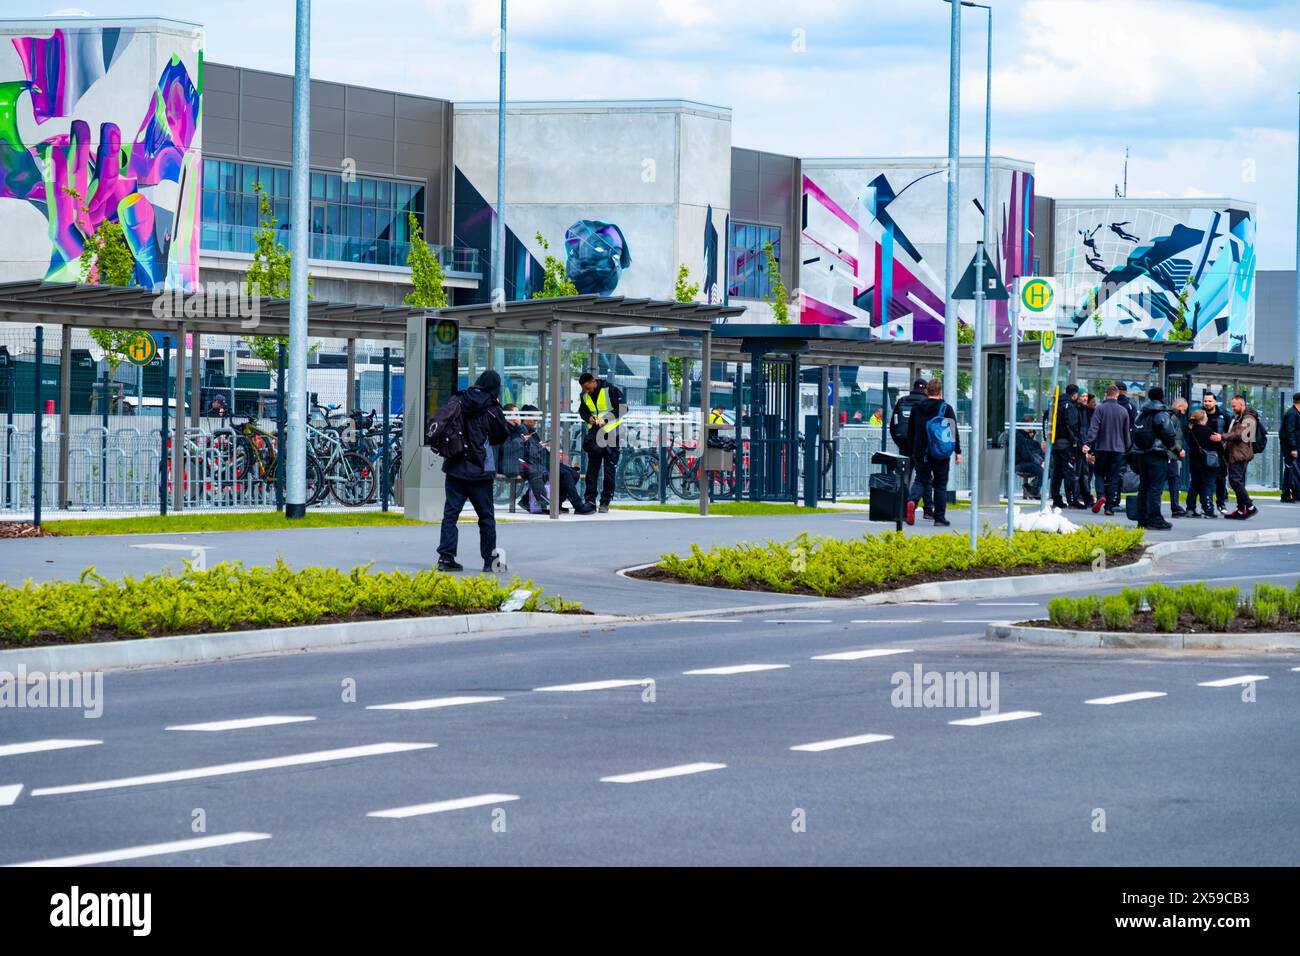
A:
1133	596
1116	612
230	595
1267	613
1166	616
831	566
1222	612
1159	594
1060	611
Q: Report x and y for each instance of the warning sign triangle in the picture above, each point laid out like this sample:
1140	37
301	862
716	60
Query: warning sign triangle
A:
993	286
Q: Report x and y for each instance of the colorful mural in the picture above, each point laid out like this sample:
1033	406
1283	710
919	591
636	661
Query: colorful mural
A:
78	178
872	252
1160	271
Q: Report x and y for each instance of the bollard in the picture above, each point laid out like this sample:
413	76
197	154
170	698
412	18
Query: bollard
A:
39	439
279	428
812	477
166	393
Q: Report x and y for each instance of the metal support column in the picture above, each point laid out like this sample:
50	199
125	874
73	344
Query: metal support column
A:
196	379
557	343
349	401
38	429
65	410
706	383
178	439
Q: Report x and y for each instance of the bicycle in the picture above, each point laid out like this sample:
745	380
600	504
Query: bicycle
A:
347	475
256	447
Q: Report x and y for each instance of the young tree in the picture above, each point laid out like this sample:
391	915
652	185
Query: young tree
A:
268	275
683	291
776	288
427	275
555	279
106	259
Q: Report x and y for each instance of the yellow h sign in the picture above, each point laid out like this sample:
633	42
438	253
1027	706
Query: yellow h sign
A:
142	349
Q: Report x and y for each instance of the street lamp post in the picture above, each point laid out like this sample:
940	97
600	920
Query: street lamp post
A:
295	452
950	321
1295	360
499	233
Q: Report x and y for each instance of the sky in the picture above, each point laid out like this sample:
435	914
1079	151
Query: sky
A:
1202	94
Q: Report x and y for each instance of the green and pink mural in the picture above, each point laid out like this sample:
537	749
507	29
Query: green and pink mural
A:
89	133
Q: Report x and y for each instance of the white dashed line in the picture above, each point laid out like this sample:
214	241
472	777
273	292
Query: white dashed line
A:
152	849
9	793
898	620
737	669
241	724
1230	681
246	766
1125	698
800	620
432	703
995	718
679	771
442	806
593	685
839	742
863	655
37	746
709	620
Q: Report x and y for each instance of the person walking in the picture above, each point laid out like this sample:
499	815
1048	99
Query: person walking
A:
1203	460
1127	402
1289	435
1218	420
601	409
900	432
1107	442
1239	446
932	449
1154	440
470	475
1065	448
1178	411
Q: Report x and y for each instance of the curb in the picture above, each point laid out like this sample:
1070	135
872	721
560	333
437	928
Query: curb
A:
197	648
1054	637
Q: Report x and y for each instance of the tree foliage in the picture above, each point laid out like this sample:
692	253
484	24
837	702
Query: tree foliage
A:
683	291
427	275
106	259
269	276
555	278
776	294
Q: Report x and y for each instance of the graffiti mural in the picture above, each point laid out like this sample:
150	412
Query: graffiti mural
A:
596	253
872	246
1160	271
65	100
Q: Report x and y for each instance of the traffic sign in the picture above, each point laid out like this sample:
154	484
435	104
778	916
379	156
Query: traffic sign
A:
1036	303
994	290
142	349
1050	349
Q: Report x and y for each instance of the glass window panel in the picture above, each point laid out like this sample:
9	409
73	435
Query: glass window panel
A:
281	209
211	171
352	190
282	182
353	220
369	222
417	202
247	176
249	205
211	205
266	176
333	187
317	185
368	191
384	193
334	219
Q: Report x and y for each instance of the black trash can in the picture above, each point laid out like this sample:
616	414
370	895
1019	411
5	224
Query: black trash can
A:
888	488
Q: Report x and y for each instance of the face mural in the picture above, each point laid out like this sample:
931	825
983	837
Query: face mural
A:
595	256
1164	272
65	100
872	245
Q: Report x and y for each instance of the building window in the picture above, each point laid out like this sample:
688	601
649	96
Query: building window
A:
747	259
363	220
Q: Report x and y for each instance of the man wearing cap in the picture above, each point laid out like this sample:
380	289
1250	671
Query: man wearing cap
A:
899	431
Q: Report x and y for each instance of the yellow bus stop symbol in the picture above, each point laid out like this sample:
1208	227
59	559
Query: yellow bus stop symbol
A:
142	349
1049	341
1036	296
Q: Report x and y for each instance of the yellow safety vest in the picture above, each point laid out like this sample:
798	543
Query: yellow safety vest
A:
717	418
599	407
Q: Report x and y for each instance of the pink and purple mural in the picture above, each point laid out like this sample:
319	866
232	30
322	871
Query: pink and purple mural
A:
62	150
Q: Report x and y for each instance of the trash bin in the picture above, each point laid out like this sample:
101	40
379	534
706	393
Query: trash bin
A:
719	448
888	488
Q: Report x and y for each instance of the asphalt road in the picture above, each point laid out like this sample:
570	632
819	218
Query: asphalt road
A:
1198	776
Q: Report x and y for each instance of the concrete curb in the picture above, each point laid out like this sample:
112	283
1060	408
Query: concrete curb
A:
196	648
1055	637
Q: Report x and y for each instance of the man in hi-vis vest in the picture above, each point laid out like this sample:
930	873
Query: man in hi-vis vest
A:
600	408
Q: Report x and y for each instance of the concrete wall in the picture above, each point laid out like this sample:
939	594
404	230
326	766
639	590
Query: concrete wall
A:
765	191
1128	261
653	168
85	81
1275	317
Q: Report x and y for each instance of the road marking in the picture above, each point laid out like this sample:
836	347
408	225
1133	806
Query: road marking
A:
820	745
995	718
152	849
1230	681
737	669
594	685
246	766
862	655
442	806
678	771
240	724
433	702
36	746
800	620
891	620
1009	604
1125	698
9	793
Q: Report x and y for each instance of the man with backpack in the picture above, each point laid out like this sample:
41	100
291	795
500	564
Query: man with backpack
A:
1155	441
1245	439
464	432
933	439
1065	448
899	431
1290	436
1107	440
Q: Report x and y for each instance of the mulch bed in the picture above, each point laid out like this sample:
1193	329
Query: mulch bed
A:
23	529
1144	623
105	636
656	573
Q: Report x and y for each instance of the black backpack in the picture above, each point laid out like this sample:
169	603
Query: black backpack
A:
1144	431
446	432
1261	437
901	419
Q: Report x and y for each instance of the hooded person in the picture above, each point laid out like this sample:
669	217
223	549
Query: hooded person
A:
470	475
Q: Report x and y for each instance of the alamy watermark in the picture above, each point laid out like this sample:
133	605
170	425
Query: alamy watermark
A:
211	300
76	690
958	689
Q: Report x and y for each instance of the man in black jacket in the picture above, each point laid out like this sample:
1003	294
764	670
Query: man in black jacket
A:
1107	441
1083	473
1065	448
1155	440
1289	437
600	408
1219	420
899	430
470	476
928	468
